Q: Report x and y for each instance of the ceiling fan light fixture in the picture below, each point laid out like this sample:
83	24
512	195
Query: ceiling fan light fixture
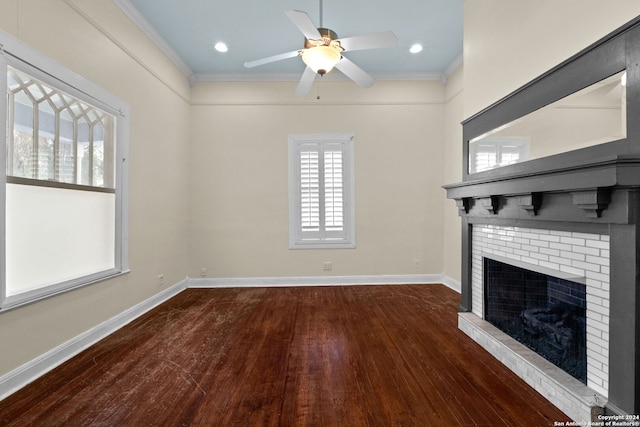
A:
321	59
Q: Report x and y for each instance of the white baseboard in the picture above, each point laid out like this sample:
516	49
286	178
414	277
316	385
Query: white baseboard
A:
451	283
406	279
30	371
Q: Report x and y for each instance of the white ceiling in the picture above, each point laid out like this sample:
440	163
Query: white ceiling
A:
187	30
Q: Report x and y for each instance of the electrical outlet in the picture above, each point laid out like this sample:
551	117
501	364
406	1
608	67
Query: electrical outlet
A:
327	266
203	272
160	279
417	264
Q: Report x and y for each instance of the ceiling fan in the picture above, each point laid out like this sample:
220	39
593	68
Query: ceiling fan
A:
323	51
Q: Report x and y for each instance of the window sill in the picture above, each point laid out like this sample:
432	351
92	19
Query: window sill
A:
26	298
322	245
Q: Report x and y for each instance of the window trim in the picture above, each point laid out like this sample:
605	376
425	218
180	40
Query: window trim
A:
21	56
295	231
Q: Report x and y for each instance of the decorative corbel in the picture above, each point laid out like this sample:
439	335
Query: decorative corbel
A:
530	202
593	201
491	204
463	204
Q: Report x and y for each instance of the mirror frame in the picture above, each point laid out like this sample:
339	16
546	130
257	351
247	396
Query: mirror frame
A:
618	51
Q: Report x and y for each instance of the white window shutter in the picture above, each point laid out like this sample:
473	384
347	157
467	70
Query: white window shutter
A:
309	182
321	191
333	213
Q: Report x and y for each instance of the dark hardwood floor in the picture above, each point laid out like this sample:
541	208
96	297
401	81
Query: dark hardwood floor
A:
309	356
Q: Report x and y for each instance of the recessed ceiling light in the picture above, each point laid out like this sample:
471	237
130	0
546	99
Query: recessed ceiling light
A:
416	48
221	47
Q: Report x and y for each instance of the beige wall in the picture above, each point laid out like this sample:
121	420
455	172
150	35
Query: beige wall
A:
239	176
95	40
452	159
508	43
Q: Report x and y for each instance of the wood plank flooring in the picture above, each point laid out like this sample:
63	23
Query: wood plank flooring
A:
309	356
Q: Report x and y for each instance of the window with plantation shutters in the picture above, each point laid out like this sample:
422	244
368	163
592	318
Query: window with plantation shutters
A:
321	191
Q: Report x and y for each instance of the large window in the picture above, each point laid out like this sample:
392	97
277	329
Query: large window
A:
63	193
321	191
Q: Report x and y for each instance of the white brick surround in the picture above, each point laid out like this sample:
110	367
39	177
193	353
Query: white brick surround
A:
585	257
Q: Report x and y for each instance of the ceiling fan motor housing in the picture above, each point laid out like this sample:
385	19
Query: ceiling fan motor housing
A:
327	37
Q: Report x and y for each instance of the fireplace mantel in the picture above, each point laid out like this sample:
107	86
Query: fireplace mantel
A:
591	190
594	192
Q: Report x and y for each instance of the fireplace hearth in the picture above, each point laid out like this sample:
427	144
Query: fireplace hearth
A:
545	313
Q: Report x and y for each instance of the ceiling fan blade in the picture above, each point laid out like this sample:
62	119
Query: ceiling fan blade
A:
355	73
304	24
273	58
369	41
305	82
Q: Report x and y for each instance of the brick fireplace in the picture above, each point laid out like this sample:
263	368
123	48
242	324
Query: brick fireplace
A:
576	256
573	215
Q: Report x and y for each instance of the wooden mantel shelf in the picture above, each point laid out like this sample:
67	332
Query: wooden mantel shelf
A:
574	192
608	171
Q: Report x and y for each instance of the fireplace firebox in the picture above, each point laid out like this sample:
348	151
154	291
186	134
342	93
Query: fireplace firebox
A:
543	312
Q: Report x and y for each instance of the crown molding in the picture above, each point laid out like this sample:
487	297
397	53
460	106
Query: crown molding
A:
452	67
246	77
294	77
408	76
132	13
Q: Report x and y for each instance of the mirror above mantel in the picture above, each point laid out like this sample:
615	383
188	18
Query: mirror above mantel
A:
591	116
575	118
